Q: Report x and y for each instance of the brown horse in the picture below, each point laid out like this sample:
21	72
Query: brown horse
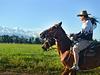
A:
86	61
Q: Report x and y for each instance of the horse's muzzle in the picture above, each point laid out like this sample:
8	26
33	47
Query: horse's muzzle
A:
44	48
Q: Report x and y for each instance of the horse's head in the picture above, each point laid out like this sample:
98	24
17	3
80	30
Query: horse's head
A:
49	35
55	32
51	32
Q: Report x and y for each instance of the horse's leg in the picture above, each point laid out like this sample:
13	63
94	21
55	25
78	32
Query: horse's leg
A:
66	65
72	72
66	72
65	58
69	72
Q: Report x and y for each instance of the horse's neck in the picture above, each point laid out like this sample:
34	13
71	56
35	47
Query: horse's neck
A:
63	44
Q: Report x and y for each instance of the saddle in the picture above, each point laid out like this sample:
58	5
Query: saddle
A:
90	51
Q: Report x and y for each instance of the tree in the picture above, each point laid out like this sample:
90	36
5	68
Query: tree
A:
37	40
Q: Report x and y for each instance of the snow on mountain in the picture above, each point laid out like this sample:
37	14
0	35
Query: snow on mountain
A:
16	31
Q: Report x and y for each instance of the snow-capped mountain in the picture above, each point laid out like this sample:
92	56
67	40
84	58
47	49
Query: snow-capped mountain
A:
16	31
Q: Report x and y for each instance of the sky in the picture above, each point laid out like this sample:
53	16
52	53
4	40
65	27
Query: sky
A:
38	15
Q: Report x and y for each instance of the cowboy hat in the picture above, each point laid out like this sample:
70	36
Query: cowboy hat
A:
83	13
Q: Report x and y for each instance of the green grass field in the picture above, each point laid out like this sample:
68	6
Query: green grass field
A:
28	58
31	59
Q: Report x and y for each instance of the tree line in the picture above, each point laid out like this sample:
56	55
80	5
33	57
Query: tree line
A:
22	39
17	39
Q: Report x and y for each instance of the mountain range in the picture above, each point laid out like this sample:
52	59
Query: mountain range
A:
17	31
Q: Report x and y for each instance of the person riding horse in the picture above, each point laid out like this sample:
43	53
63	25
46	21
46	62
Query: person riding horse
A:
84	36
64	44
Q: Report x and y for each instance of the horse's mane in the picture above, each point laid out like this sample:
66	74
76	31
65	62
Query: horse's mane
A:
64	40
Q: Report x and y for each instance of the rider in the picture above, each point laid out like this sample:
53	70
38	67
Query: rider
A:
84	36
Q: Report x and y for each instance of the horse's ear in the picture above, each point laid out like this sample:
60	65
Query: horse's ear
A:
60	23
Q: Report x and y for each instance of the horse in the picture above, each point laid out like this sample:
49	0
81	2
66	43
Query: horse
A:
64	44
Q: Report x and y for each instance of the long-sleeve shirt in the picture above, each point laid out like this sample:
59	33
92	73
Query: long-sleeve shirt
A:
87	27
87	31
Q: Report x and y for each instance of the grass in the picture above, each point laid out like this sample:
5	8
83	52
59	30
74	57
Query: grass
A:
28	58
31	59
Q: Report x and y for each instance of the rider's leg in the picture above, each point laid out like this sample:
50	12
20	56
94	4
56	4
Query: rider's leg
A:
76	57
76	49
